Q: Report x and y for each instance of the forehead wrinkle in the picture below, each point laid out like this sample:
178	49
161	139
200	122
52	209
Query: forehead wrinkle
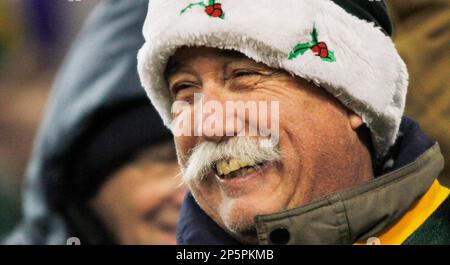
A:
180	65
176	67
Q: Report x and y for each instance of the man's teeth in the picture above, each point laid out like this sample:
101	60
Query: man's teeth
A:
226	167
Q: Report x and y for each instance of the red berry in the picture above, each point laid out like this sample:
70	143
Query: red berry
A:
209	10
315	49
218	6
217	13
324	53
322	45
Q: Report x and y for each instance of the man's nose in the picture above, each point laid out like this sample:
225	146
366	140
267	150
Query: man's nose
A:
216	124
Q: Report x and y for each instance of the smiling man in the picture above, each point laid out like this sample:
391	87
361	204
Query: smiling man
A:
244	179
345	166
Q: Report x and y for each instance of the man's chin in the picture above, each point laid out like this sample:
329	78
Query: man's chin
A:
243	230
247	236
238	218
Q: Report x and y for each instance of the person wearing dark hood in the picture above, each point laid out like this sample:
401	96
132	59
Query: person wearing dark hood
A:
140	203
103	167
336	163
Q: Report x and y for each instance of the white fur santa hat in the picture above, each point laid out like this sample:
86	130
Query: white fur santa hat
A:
341	45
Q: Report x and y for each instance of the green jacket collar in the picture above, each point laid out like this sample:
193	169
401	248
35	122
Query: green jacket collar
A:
357	213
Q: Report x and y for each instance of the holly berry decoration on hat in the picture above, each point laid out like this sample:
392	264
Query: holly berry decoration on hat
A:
212	9
319	48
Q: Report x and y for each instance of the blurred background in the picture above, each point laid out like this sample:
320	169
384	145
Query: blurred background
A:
34	37
36	34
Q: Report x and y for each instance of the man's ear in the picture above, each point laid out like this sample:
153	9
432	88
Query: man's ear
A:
355	120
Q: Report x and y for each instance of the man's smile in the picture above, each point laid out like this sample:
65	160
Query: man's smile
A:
234	167
241	178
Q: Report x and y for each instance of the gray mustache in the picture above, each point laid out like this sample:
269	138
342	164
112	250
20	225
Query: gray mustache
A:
204	157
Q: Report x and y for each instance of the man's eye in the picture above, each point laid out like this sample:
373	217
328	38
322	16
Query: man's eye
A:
244	73
178	87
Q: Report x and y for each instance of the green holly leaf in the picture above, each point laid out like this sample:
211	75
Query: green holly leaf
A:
190	6
299	49
314	38
330	57
211	2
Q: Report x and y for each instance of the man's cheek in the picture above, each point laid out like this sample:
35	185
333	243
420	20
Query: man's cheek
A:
182	144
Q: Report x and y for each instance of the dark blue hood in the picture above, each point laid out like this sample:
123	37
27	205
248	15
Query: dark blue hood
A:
97	117
197	228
